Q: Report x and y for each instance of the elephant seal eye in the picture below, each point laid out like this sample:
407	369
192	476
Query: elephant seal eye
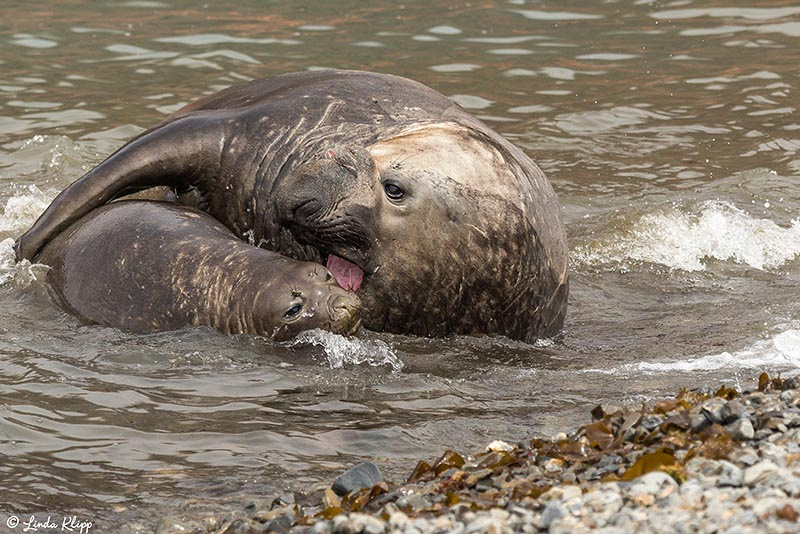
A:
393	191
292	312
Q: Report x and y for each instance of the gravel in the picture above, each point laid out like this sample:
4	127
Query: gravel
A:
702	462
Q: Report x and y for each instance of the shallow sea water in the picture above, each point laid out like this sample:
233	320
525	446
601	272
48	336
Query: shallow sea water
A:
669	130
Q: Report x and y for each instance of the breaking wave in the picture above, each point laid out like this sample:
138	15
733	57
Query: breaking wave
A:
781	352
687	240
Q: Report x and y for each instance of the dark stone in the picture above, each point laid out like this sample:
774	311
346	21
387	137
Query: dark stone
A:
609	460
279	525
699	421
791	383
484	485
732	411
252	506
363	475
713	409
282	500
386	498
600	411
651	422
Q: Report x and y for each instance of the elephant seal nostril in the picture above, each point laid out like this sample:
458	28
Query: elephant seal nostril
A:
345	313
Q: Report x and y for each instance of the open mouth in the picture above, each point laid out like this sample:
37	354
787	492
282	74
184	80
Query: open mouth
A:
348	275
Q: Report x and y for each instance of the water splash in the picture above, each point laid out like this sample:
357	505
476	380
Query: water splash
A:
341	351
22	209
20	274
781	352
688	239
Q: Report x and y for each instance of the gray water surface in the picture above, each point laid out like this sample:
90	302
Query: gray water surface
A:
669	130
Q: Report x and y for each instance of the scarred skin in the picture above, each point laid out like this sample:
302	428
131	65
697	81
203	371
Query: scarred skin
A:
457	230
149	266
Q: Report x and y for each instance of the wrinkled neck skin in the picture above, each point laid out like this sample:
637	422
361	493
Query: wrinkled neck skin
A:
244	201
219	284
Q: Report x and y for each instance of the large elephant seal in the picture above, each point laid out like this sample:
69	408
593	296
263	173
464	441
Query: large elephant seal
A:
147	266
446	226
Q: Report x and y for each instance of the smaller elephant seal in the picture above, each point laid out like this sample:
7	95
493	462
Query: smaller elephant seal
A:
149	266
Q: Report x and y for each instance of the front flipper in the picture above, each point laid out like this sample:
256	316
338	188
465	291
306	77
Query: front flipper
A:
180	153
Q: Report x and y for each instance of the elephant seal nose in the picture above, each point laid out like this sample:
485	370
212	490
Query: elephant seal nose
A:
345	312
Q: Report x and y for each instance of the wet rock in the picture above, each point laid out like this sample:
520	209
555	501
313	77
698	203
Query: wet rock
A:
699	421
730	474
252	506
484	485
604	410
414	502
282	500
651	422
474	478
279	525
732	411
774	424
363	475
713	409
759	472
745	456
741	429
554	510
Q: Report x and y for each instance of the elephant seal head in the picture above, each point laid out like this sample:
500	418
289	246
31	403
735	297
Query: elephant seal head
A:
438	219
303	296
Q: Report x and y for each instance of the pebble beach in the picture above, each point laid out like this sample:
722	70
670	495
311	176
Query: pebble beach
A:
705	461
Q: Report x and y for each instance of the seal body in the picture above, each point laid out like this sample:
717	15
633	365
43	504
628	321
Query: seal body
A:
148	266
443	225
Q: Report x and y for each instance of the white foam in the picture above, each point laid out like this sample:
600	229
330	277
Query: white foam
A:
20	274
781	352
686	240
341	351
22	209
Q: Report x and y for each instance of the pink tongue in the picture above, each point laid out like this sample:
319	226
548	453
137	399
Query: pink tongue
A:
348	275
